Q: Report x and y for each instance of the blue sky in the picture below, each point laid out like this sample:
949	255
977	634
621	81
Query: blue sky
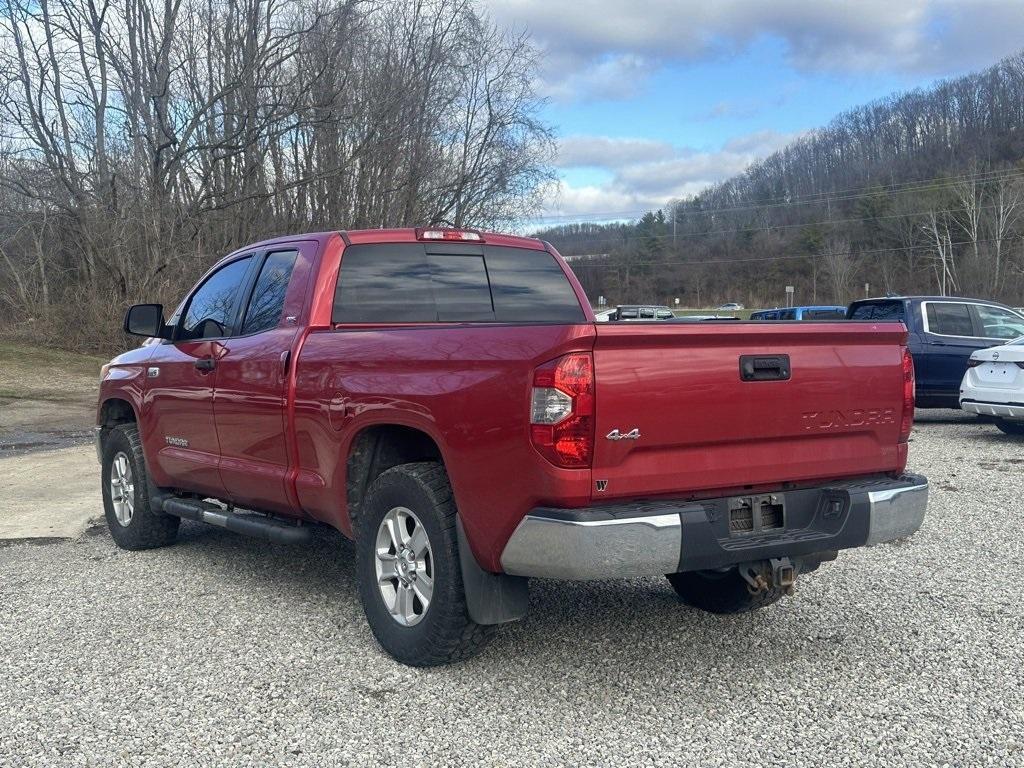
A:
656	99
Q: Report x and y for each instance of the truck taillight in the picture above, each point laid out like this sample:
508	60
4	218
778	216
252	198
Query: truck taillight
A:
562	410
908	396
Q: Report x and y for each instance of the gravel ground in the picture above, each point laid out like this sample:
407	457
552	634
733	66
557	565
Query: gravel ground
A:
222	650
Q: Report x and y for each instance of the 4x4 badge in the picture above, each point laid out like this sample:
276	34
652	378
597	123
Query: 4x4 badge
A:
633	434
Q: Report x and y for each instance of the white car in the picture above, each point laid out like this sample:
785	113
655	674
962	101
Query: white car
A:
994	385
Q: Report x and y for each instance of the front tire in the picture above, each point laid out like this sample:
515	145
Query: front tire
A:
1015	428
410	580
132	521
722	592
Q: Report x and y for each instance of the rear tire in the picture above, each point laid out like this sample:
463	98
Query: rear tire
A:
132	521
410	579
722	592
1015	428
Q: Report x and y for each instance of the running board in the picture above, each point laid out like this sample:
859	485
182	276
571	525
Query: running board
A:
266	528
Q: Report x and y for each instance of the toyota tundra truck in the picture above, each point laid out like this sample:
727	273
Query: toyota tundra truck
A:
446	399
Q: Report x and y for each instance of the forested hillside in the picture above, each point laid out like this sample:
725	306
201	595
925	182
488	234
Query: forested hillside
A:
921	192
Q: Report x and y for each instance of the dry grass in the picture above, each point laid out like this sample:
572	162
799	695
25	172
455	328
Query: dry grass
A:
55	375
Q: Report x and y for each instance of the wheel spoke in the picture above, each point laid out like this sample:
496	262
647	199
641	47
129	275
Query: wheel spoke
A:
392	525
403	603
418	542
386	566
424	586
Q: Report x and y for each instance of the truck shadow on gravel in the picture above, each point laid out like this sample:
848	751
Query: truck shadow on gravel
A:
569	622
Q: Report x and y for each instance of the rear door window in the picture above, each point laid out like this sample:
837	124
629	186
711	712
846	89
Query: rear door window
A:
949	318
267	302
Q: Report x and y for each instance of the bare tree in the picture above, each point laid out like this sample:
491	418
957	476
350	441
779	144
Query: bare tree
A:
143	138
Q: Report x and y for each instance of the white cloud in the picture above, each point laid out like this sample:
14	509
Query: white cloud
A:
599	47
607	77
647	174
605	152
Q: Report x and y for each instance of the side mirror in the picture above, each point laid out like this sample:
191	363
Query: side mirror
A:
146	320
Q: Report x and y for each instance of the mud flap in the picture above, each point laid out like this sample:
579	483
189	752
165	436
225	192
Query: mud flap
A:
491	598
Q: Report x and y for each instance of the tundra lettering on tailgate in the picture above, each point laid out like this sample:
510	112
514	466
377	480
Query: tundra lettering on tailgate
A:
858	417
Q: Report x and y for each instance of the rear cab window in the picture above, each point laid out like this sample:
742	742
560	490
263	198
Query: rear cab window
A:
888	311
824	314
418	283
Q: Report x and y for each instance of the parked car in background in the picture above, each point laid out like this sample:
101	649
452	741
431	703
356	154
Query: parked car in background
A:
732	306
801	313
641	312
994	385
603	315
944	332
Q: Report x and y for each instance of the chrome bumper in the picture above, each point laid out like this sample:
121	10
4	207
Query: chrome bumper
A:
655	538
552	548
896	513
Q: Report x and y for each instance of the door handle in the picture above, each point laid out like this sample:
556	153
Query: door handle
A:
205	364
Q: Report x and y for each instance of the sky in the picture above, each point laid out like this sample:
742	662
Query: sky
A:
657	99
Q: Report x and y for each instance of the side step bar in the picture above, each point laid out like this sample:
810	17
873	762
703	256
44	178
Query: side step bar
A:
266	528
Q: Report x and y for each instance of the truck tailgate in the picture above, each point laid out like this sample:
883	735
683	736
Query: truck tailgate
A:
702	423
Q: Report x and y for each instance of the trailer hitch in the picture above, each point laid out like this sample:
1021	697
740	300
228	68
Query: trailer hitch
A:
777	572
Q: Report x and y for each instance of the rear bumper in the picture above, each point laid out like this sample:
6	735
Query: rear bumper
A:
1003	410
648	538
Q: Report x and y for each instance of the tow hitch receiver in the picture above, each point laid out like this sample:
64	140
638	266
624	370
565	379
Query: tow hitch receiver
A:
762	575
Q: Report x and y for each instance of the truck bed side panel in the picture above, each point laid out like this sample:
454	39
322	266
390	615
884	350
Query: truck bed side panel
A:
468	387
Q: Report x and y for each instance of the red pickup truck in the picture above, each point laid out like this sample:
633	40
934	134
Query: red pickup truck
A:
446	399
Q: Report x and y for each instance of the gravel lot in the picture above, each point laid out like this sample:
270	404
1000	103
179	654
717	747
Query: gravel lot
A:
222	650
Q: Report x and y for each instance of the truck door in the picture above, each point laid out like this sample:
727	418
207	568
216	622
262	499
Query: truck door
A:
252	377
179	436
